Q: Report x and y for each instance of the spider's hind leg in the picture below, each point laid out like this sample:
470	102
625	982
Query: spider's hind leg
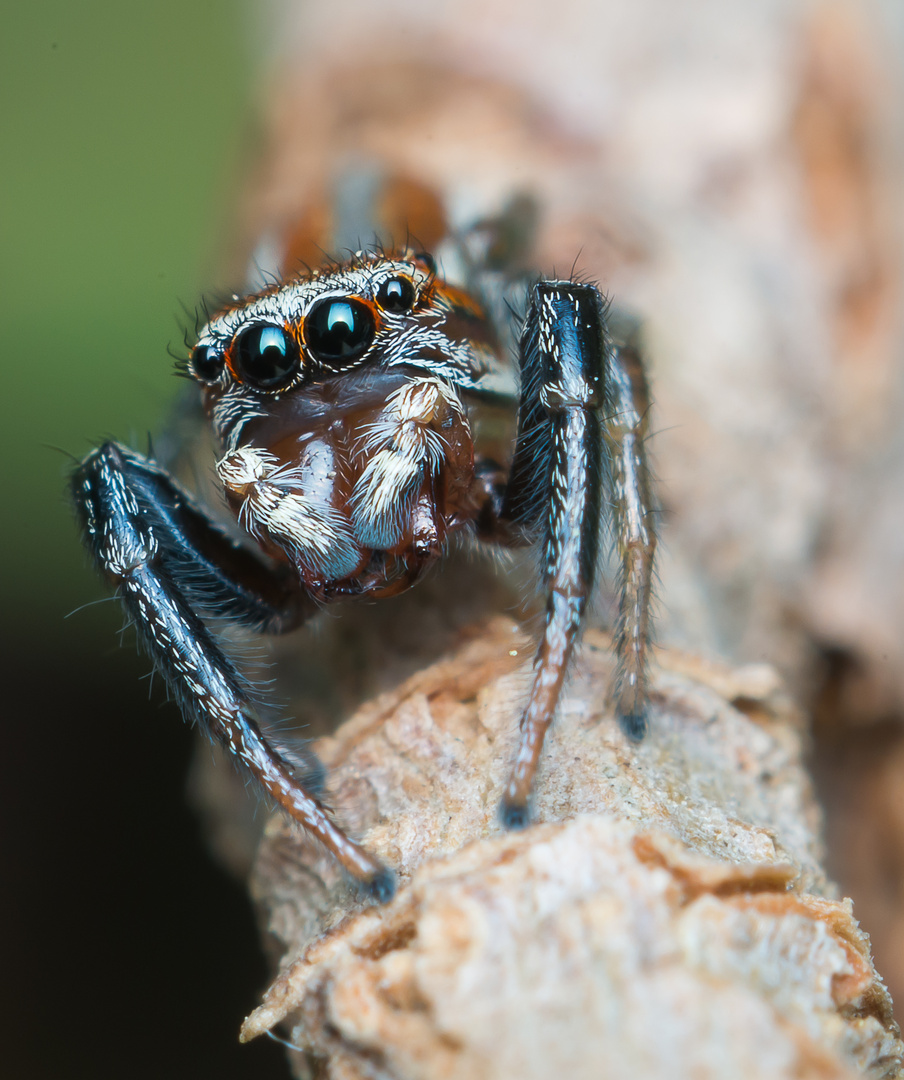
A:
169	560
633	509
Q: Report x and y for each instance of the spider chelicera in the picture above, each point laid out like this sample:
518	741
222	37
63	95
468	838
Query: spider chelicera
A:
363	413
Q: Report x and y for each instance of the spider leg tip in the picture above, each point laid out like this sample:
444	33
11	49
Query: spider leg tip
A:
513	815
381	886
633	724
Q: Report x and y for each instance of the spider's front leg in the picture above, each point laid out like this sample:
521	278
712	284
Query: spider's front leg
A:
577	421
169	560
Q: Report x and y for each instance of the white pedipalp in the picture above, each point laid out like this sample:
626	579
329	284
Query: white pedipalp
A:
274	507
403	447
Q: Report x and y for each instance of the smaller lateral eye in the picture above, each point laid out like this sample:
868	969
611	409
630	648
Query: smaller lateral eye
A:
206	363
396	294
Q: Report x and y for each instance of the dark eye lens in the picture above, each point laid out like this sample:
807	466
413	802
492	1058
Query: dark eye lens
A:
266	356
338	329
397	294
427	261
206	363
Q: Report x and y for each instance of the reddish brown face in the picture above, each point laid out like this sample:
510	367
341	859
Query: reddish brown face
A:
339	402
355	481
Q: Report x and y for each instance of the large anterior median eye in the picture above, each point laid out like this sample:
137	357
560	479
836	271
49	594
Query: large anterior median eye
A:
266	357
338	329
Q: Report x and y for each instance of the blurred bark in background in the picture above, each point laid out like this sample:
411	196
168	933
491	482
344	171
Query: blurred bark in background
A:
732	173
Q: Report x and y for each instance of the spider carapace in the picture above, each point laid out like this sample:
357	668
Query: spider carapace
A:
363	413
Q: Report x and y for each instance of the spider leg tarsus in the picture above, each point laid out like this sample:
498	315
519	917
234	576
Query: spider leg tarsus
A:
513	815
634	725
381	886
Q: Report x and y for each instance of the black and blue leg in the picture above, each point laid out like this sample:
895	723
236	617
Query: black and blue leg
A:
580	437
167	559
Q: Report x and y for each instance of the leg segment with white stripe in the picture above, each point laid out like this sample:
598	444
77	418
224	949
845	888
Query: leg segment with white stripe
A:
558	465
581	431
167	557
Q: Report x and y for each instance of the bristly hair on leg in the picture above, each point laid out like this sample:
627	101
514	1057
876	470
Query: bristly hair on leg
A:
634	527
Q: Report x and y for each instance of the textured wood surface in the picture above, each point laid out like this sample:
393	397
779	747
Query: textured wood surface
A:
667	914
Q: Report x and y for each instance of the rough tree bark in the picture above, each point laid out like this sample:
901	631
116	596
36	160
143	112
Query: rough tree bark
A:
666	916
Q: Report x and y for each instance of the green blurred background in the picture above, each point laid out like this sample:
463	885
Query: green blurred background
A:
121	127
124	951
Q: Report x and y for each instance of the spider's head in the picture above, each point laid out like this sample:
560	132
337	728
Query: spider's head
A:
318	326
335	398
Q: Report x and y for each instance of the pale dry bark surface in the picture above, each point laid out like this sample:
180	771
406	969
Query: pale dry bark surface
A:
666	915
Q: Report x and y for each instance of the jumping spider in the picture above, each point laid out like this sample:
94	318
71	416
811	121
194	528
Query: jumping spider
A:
350	409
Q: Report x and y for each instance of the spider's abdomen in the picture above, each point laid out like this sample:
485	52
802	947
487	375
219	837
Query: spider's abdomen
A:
356	481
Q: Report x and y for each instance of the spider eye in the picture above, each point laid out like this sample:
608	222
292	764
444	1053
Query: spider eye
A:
206	363
426	260
338	329
396	294
266	356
